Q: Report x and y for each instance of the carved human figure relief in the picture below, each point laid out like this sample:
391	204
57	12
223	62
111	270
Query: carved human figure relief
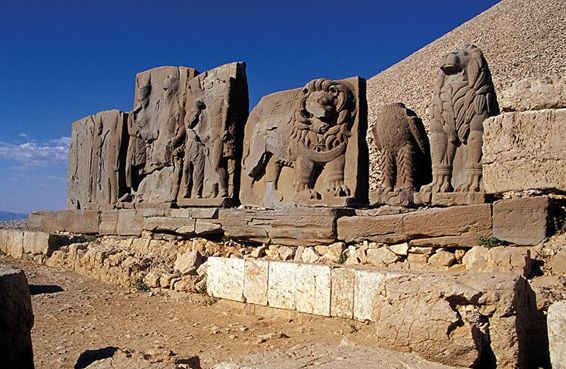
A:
463	99
138	121
191	151
401	139
307	130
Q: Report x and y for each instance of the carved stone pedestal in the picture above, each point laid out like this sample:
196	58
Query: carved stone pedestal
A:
400	197
449	198
219	202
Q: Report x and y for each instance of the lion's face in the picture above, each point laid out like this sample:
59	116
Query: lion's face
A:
457	62
323	101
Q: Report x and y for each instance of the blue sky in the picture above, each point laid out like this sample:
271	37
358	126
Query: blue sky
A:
62	60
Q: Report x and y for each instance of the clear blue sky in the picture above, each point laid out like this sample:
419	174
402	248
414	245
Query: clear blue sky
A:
62	60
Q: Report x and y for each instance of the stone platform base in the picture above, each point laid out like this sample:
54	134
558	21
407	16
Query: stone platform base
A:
481	312
521	221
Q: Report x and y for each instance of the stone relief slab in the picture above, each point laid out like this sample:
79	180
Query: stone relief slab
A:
307	147
152	125
96	168
211	137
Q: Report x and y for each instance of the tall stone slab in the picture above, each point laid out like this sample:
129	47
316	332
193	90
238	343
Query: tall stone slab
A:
79	182
216	107
96	169
152	126
307	147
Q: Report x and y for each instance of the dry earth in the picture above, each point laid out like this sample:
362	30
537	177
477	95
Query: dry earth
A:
74	313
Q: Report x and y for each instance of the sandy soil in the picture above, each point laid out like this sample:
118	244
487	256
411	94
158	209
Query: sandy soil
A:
74	313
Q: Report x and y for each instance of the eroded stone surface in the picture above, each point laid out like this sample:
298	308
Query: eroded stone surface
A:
74	221
225	278
313	289
525	150
282	285
453	319
256	281
342	292
368	285
96	177
307	146
534	93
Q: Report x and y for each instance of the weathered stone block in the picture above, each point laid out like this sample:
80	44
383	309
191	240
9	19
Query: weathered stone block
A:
225	278
556	320
385	228
342	292
14	243
73	221
534	93
195	213
523	221
282	285
525	150
464	223
470	306
169	225
288	226
206	227
16	320
368	285
108	222
307	146
130	222
41	243
256	281
313	289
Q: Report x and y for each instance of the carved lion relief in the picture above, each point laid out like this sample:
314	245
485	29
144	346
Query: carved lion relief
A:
308	130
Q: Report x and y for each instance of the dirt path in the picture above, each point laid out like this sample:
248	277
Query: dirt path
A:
74	313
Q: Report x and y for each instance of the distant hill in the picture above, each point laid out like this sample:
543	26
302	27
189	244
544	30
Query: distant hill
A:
6	215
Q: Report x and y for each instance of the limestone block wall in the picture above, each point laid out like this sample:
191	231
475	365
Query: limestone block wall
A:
378	296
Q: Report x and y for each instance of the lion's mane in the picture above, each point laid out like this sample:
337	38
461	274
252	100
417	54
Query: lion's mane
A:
467	94
337	135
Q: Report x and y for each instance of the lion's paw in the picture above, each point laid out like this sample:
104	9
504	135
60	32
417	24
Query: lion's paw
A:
338	189
471	184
